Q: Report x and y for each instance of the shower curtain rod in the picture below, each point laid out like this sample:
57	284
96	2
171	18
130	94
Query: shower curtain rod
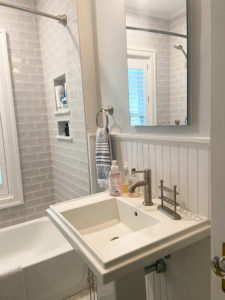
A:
61	18
157	31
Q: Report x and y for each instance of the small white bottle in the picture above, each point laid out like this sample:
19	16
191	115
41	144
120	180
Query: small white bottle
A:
115	180
59	93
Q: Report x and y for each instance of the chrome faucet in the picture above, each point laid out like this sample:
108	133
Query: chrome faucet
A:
147	184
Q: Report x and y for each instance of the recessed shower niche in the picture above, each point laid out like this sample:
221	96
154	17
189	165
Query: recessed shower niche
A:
64	131
61	97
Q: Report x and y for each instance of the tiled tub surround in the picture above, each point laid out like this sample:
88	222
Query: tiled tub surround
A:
170	63
41	50
31	114
60	55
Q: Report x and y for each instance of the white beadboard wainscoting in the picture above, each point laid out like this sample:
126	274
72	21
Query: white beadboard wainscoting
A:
183	161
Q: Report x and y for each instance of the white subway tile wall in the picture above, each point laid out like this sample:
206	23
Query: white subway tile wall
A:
60	55
40	50
31	114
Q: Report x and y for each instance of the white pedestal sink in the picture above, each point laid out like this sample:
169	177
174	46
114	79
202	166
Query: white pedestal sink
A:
118	237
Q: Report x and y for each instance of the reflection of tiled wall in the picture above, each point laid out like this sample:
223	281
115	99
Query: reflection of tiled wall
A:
31	114
160	43
60	55
171	63
178	72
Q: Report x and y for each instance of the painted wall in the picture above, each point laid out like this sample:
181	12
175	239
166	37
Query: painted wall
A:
31	115
112	67
91	93
217	136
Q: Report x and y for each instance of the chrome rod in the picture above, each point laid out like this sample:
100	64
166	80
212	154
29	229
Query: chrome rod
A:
157	31
61	18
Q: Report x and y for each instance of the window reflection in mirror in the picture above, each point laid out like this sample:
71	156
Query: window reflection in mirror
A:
157	62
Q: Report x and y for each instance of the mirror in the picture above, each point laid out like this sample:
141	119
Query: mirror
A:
157	62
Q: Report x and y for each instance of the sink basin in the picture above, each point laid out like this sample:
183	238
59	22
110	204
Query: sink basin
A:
117	235
103	222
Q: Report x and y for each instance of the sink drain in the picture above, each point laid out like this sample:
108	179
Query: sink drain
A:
114	238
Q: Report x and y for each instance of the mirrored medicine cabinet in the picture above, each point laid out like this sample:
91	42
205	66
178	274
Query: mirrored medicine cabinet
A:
157	60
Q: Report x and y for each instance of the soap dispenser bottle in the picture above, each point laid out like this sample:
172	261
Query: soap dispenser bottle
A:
115	180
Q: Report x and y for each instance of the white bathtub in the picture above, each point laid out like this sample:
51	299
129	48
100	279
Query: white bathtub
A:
52	269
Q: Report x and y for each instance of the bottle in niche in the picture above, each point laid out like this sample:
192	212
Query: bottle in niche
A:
132	180
115	180
66	129
59	94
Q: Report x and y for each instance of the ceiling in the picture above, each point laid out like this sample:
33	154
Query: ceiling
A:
157	8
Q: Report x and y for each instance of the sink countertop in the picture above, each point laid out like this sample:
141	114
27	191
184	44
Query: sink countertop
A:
113	259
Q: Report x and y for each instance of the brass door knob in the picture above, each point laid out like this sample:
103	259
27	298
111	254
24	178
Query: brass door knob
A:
218	266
